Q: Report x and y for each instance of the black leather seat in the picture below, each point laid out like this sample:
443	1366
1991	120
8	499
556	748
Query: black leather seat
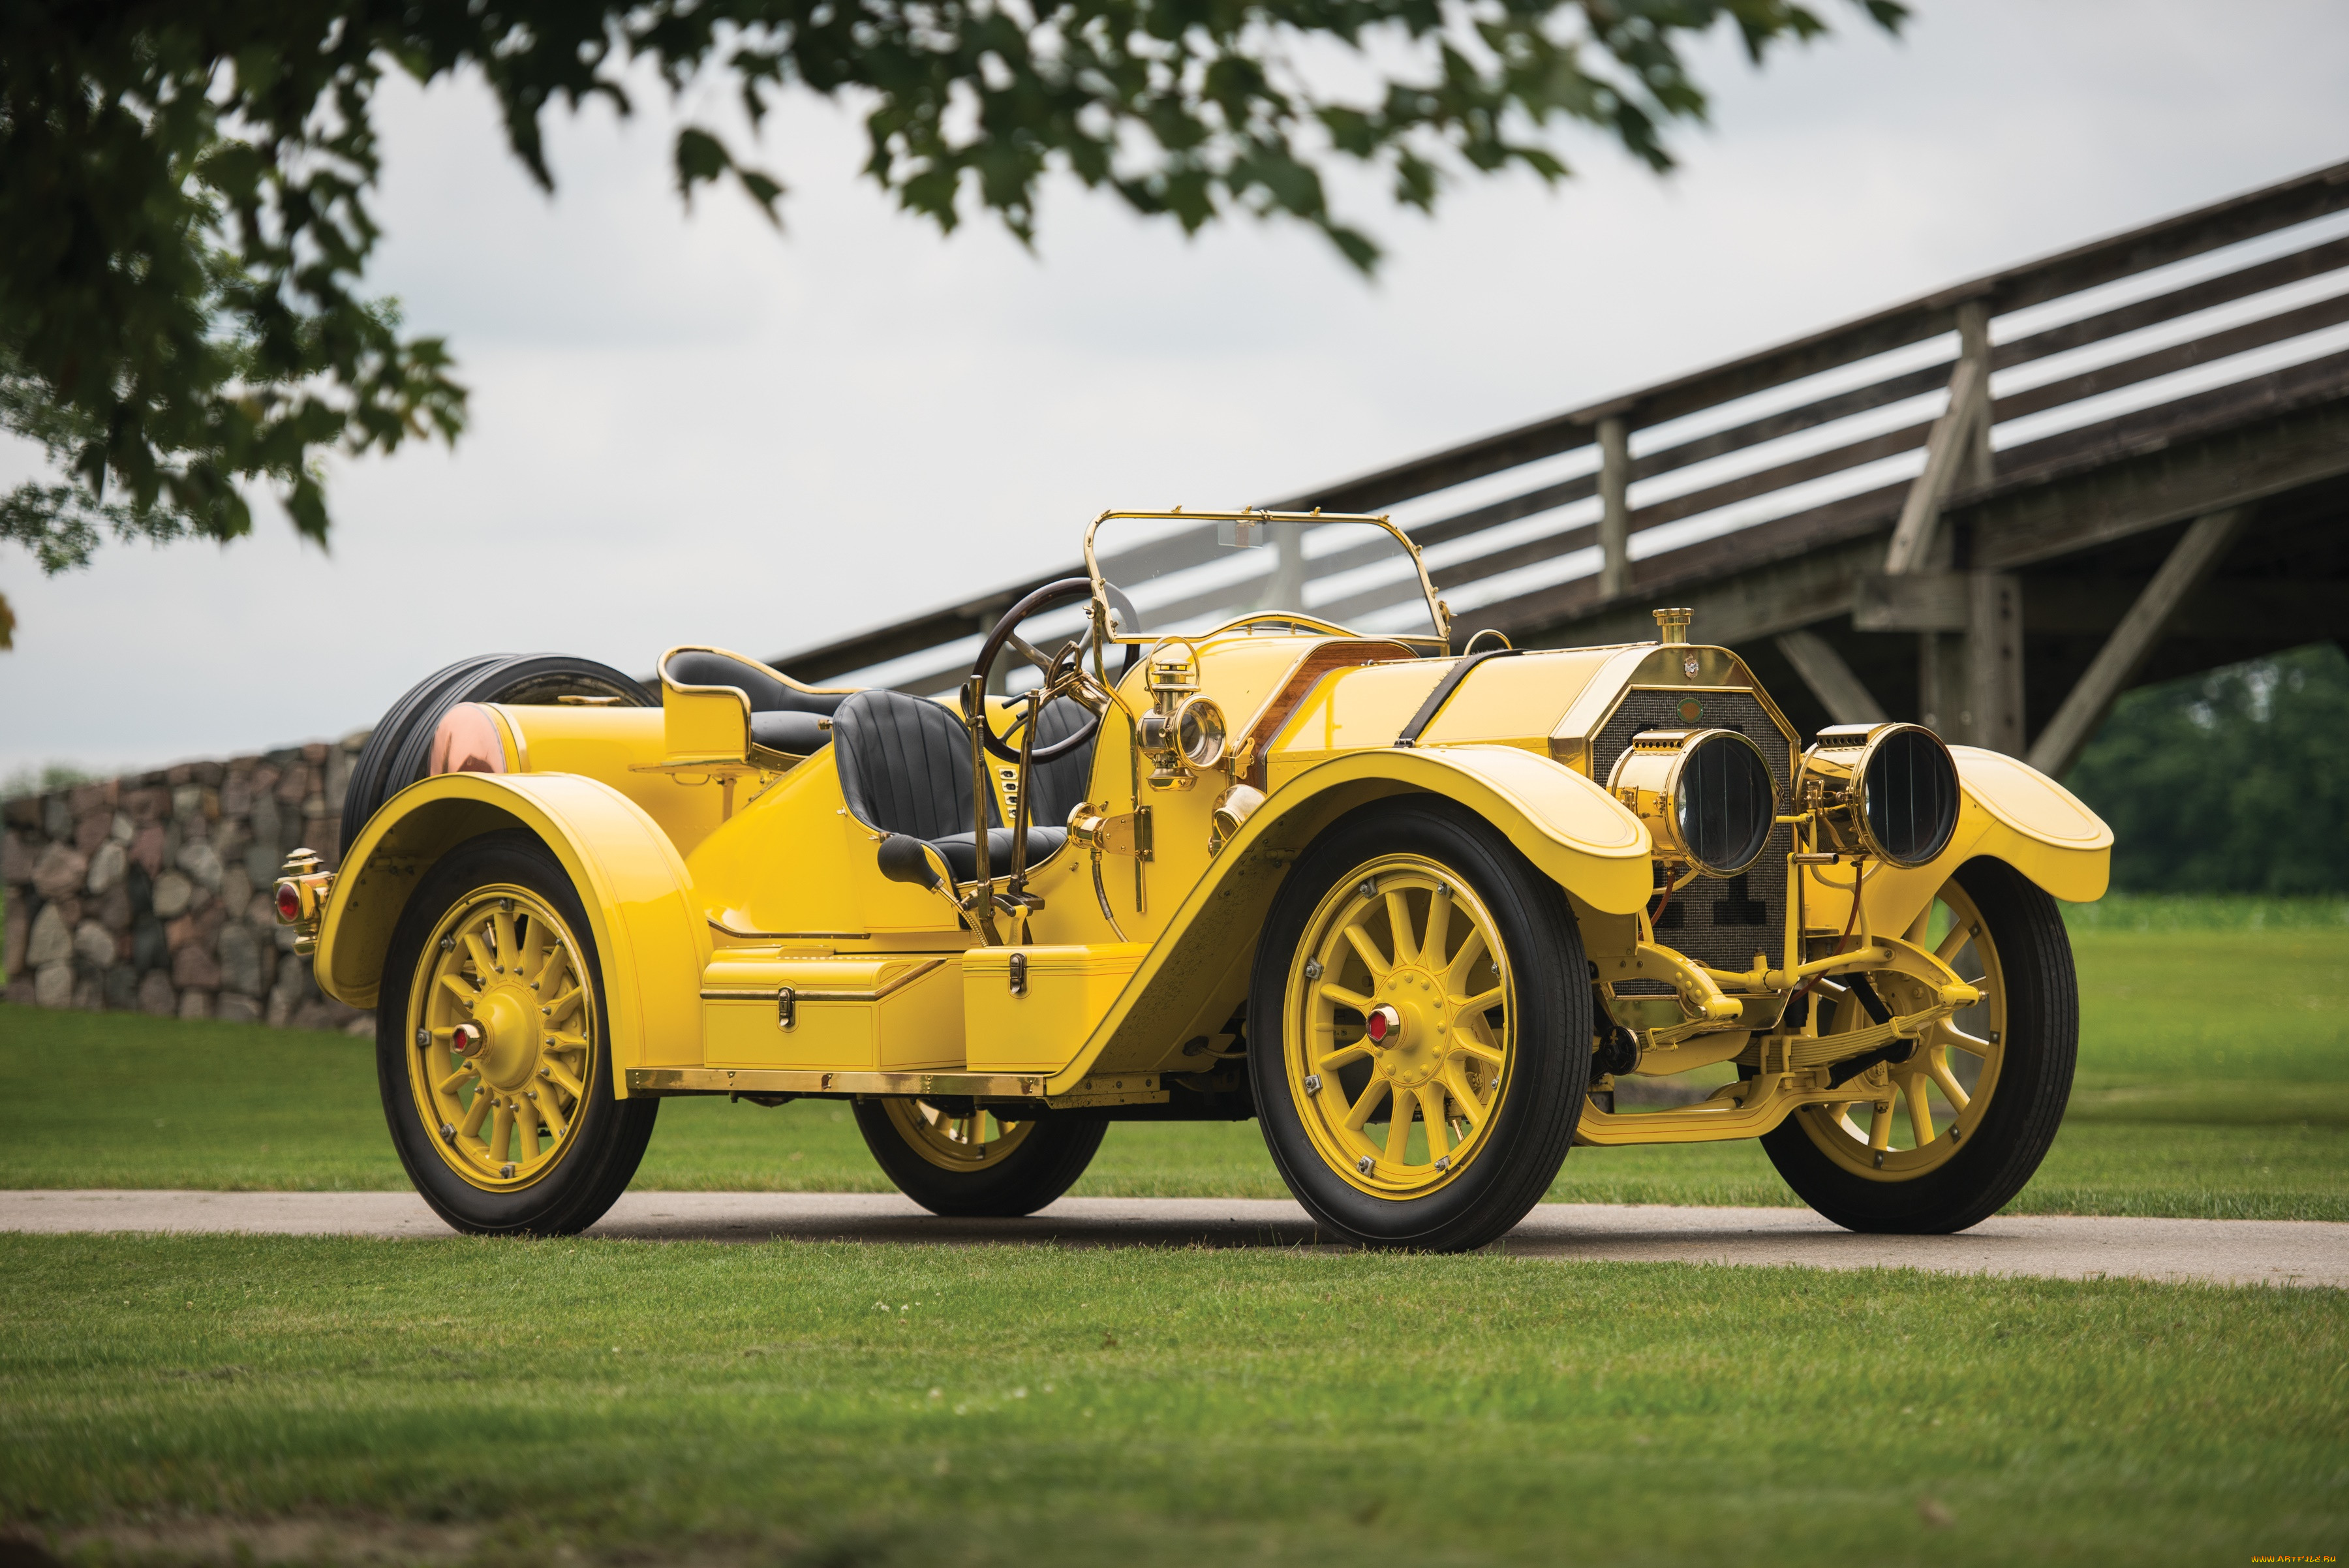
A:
782	717
905	770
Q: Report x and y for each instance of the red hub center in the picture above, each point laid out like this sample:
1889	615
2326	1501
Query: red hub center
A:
1384	1026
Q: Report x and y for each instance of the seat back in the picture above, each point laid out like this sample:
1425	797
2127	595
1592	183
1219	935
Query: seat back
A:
766	692
905	765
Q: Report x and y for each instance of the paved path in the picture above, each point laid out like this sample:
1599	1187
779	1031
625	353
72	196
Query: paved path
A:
2232	1252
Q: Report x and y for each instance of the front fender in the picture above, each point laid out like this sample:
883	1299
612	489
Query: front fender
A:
1572	829
2010	811
649	934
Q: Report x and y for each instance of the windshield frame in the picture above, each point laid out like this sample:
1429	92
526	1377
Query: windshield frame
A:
1439	613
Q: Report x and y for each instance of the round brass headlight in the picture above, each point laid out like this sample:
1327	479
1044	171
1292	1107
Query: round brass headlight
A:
1706	795
1907	795
1199	733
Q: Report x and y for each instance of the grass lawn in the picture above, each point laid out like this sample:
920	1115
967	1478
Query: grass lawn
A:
841	1404
2214	1081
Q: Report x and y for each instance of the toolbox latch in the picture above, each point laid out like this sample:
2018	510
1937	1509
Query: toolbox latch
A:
786	1007
1018	970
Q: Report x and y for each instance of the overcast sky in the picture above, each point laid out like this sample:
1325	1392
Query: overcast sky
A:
686	428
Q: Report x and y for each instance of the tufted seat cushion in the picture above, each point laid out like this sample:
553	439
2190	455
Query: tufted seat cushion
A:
795	734
905	770
782	717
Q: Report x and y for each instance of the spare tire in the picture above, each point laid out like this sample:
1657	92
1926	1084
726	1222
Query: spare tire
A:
401	748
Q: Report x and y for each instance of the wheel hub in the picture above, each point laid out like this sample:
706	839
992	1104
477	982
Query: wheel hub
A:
510	1052
1408	1028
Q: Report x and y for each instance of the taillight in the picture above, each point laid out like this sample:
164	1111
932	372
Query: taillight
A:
289	903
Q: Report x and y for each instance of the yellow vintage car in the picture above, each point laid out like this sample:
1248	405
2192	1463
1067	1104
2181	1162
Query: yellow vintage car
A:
1423	912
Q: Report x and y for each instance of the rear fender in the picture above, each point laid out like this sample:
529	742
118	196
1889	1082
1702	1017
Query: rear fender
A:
1572	830
650	936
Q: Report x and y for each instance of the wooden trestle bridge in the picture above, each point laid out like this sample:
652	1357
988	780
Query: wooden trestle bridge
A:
1993	509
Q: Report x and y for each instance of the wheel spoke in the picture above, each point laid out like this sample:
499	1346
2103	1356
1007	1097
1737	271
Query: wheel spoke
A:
1340	1056
1375	961
502	946
1456	973
1920	1115
1948	1081
476	1113
562	1077
1439	927
533	961
454	1081
1879	1127
560	1008
1399	926
502	1121
557	971
1331	991
484	965
1480	1004
1477	1048
1953	942
1399	1127
1471	1105
461	988
1358	1114
1973	1045
1431	1111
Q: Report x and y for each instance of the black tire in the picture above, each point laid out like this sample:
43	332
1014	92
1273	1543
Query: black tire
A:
400	747
1535	1124
610	1135
1045	1163
2035	1083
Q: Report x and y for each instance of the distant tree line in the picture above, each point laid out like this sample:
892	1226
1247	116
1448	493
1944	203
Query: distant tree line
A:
2236	781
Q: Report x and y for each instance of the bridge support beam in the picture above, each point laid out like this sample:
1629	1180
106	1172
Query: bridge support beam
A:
2189	564
1840	690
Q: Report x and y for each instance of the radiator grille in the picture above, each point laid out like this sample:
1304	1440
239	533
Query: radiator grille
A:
1719	922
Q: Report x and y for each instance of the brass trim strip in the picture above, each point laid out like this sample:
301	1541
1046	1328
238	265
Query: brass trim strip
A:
767	994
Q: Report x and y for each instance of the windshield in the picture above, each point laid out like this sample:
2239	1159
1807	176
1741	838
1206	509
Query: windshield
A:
1175	575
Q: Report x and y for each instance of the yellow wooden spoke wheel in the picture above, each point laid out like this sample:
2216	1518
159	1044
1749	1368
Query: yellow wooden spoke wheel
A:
969	1137
959	1157
1943	1138
1400	1028
1914	1116
501	1020
1419	1029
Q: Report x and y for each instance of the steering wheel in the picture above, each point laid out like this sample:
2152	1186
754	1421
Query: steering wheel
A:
1051	597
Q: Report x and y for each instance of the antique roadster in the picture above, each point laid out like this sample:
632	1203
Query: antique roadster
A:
1224	829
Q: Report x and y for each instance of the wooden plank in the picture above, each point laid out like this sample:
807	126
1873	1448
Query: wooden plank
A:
1992	717
1912	601
1775	597
2166	240
1793	421
2277	328
2240	284
2100	444
1840	692
1614	506
2124	652
2164	479
2175	238
1947	452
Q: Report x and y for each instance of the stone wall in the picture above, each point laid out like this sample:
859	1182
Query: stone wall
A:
151	892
